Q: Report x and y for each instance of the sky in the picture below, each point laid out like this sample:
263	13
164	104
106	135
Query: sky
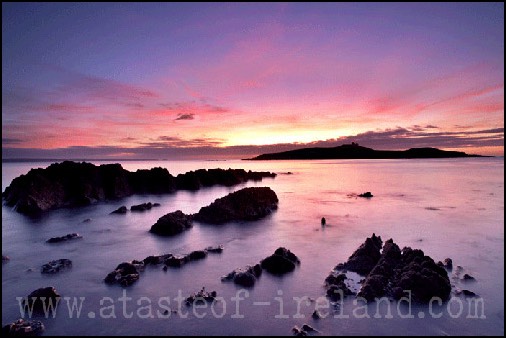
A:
199	81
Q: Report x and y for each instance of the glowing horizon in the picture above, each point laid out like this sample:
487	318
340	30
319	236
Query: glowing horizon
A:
176	79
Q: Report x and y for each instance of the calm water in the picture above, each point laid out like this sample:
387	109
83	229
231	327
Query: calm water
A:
449	208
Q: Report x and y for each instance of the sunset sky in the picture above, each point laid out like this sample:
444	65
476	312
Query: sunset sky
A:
164	80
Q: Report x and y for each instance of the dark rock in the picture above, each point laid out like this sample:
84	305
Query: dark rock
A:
41	298
366	195
141	207
153	260
121	210
448	263
215	249
172	224
316	314
398	270
56	266
125	274
282	261
201	295
156	205
468	293
365	258
71	184
87	220
64	238
176	261
23	328
197	255
308	328
336	288
244	277
468	277
298	332
247	204
324	221
5	259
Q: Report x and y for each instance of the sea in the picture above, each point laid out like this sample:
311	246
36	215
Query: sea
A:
446	207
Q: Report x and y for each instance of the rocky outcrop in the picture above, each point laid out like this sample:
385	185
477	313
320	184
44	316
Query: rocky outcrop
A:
141	207
202	295
172	224
366	195
23	327
336	287
41	299
70	184
248	204
397	271
56	266
65	238
281	262
365	258
245	277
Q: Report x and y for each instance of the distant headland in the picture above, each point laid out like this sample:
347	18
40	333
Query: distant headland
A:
355	151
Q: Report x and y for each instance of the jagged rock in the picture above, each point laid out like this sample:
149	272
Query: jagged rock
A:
23	327
64	238
282	261
365	258
366	195
336	288
125	274
247	204
141	207
41	298
397	270
172	224
70	184
56	266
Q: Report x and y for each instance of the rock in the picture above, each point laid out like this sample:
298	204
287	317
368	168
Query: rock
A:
87	220
247	204
176	261
397	270
5	259
244	277
197	255
121	210
336	288
308	328
125	274
141	207
56	266
448	263
201	295
41	298
215	249
468	277
324	221
172	224
23	328
156	205
298	332
366	195
64	238
365	258
468	293
282	261
316	315
72	184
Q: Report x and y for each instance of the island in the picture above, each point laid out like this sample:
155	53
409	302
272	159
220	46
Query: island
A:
355	151
71	184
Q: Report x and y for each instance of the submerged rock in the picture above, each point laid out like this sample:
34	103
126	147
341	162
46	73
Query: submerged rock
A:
56	266
172	224
23	327
42	298
282	261
125	274
248	204
121	210
65	238
72	184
